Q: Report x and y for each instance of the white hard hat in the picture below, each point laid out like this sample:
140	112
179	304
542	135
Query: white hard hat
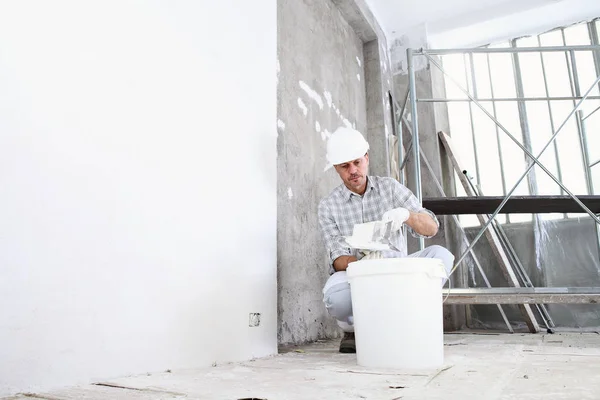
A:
345	144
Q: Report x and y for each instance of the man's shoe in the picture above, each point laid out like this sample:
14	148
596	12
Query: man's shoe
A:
348	344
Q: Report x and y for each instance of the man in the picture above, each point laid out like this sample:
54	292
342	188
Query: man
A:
360	199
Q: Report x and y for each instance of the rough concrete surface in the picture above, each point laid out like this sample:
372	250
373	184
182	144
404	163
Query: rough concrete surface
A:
416	39
321	85
328	77
354	13
476	366
376	104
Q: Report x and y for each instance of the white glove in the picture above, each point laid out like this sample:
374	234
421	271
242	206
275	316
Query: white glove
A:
398	215
372	255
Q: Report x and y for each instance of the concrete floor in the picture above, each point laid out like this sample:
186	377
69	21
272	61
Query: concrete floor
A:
477	366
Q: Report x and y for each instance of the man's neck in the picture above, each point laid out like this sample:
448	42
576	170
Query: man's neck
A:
362	189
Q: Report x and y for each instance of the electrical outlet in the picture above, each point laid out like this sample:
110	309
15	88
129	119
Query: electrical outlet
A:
254	319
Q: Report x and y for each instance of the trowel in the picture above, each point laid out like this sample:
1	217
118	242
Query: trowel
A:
371	236
382	232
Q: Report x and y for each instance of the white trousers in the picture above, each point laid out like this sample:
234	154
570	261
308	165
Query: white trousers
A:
336	293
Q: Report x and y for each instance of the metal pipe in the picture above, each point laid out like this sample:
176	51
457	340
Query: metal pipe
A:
415	128
575	90
585	152
570	72
401	153
498	142
557	98
404	105
520	295
496	126
410	146
558	168
440	52
397	127
402	160
534	158
568	60
594	39
592	113
531	178
594	163
473	139
574	73
401	156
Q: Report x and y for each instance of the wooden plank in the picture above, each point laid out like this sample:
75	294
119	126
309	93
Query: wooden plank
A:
493	239
100	391
548	295
514	205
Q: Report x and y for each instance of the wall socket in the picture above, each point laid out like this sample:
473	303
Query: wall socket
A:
254	320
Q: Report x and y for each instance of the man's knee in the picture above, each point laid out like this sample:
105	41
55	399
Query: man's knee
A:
440	251
338	301
443	254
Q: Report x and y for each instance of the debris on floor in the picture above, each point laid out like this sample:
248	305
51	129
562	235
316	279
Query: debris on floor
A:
498	367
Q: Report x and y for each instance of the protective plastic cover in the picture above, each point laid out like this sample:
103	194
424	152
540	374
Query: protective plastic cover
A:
554	252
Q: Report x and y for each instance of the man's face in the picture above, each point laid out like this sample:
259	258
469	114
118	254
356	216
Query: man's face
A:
354	174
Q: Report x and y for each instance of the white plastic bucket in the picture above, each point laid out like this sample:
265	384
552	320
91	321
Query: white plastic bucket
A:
397	309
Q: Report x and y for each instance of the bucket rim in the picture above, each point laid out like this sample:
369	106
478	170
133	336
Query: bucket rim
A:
433	267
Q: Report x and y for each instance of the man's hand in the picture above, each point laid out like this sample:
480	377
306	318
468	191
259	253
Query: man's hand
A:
421	223
341	263
398	215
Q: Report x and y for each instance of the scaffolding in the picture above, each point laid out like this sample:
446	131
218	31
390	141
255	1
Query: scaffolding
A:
525	294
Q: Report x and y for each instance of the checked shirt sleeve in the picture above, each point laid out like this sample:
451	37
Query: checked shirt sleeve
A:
403	197
332	237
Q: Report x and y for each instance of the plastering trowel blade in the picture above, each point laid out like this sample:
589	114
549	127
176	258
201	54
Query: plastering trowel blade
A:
382	232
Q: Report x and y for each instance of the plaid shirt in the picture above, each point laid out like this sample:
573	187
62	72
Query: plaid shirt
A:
342	209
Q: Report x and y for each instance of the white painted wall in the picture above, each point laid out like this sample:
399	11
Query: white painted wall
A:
137	187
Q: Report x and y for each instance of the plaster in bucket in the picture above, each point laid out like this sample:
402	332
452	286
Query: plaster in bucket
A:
397	311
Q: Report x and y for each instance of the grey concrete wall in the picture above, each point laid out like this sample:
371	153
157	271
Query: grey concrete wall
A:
333	70
379	83
317	46
567	256
375	111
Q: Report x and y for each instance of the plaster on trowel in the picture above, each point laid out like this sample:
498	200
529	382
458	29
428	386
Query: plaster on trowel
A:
371	236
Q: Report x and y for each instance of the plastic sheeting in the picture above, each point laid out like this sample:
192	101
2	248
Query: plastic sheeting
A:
554	253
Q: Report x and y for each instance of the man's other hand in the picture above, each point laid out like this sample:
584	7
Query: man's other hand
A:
398	215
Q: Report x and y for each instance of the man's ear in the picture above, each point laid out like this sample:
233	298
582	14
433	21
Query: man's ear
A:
367	156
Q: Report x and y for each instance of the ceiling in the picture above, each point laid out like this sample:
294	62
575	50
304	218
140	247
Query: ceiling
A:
462	22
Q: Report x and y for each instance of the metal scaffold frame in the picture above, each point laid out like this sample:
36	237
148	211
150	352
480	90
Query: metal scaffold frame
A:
509	295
